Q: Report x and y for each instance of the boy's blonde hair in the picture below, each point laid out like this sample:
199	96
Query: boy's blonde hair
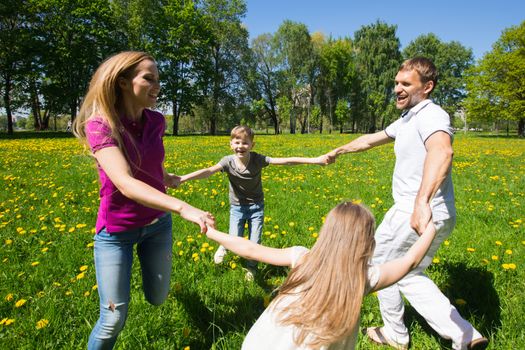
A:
329	285
104	96
242	131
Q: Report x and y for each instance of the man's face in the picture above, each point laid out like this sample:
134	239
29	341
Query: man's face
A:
410	90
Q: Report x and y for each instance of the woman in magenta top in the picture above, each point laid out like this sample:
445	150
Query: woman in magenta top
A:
126	140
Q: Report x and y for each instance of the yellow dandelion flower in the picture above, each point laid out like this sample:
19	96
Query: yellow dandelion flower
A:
35	263
266	300
45	249
291	224
233	265
498	243
8	241
435	261
505	266
181	252
42	323
276	227
81	275
83	268
315	235
56	284
508	251
446	242
9	321
9	297
205	245
512	266
69	292
186	348
470	250
310	228
20	303
95	287
87	293
186	332
460	302
495	257
90	245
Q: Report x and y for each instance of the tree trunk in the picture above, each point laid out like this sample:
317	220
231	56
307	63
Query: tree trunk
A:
521	127
35	106
176	115
7	104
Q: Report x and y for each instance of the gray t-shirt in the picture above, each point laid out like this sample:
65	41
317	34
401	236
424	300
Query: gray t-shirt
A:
245	184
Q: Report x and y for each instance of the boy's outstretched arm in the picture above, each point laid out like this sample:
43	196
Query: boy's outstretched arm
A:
201	174
394	270
321	160
251	251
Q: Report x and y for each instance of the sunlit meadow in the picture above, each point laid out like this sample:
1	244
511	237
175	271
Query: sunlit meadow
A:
48	203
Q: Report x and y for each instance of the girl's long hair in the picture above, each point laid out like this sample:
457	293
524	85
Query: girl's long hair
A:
328	287
104	96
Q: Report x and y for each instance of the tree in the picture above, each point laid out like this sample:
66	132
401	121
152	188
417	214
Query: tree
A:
265	78
377	61
451	60
227	56
496	85
337	76
77	34
14	36
296	59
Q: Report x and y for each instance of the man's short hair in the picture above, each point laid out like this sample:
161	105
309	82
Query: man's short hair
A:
425	67
242	131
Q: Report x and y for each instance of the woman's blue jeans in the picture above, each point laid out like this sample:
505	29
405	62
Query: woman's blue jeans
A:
113	260
253	215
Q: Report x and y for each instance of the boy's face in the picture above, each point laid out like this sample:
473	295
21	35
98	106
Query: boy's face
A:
241	146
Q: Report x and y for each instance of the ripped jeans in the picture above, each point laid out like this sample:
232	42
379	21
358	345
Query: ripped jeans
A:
113	260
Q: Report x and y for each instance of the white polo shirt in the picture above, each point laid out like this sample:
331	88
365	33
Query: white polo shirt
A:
410	133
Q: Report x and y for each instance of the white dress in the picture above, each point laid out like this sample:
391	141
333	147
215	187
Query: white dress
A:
268	334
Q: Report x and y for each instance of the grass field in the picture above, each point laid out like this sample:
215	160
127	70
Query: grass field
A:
48	204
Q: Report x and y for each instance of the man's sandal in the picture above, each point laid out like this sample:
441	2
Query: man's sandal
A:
478	344
376	335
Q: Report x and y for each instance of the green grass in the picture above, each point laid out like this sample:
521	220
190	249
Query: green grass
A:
48	204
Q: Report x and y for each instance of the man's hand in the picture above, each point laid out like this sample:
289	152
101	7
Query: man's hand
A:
421	217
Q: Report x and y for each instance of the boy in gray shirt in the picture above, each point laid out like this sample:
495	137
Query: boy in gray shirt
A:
246	195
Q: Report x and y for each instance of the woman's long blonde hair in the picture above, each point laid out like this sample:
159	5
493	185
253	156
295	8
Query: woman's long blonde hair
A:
104	96
329	285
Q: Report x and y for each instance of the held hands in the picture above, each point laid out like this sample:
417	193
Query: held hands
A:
331	156
202	218
421	217
172	181
324	160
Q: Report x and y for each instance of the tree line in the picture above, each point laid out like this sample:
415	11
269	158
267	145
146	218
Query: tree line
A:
211	73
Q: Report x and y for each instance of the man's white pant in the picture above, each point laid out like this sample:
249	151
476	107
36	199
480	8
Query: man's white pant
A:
394	237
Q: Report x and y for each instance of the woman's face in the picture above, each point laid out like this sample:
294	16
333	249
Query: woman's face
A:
142	89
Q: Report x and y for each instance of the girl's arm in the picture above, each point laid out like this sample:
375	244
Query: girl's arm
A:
394	270
321	160
251	251
201	174
117	169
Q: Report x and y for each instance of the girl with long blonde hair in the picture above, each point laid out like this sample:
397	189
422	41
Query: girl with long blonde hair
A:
319	303
125	138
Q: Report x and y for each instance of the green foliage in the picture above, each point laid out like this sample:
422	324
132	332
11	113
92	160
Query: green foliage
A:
496	84
377	61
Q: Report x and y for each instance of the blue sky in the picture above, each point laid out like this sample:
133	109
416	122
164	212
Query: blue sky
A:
475	24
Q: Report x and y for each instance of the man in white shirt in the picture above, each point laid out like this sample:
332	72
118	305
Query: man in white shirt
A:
423	192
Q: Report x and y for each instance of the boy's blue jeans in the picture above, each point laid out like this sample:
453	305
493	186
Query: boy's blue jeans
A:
113	260
253	214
